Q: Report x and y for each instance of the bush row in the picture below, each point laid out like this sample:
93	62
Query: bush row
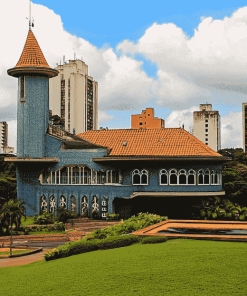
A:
84	245
58	226
134	223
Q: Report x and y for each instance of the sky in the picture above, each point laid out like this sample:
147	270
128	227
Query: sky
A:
169	55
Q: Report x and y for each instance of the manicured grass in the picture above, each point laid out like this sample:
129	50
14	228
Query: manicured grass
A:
177	267
16	252
28	221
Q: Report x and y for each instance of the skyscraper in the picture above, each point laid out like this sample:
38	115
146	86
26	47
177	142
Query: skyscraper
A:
207	126
74	97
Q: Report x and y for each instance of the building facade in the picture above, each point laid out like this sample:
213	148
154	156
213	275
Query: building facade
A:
146	120
125	171
74	97
206	126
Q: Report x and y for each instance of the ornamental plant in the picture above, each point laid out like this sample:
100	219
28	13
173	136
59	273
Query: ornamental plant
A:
142	220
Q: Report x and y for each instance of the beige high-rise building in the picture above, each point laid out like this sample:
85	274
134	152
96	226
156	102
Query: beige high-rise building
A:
244	117
4	138
207	126
74	97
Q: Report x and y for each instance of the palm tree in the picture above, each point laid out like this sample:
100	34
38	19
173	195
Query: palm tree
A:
11	213
241	212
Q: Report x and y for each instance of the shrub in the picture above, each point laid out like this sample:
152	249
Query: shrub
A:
154	239
112	216
83	246
134	223
44	218
63	215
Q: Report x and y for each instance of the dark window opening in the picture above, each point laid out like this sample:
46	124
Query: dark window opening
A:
163	179
144	179
191	180
182	179
137	179
173	179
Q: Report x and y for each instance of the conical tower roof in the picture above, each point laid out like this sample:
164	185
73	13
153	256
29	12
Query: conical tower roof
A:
32	60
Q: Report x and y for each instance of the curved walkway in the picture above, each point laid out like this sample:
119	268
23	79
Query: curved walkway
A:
22	260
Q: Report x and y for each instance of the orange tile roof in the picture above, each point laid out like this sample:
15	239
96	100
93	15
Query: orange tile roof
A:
32	55
149	142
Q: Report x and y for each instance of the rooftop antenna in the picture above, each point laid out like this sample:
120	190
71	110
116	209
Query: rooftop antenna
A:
31	22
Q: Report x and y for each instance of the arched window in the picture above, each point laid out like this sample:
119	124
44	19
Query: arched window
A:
52	204
163	177
173	177
136	177
73	203
215	177
140	178
84	207
64	175
191	177
207	177
75	175
182	178
200	177
43	204
62	202
144	177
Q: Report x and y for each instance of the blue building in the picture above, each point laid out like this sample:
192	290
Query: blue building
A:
123	171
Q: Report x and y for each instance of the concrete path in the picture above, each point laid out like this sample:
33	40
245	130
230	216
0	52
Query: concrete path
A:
22	260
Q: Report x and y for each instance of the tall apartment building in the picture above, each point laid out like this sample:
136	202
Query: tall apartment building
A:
207	126
4	138
244	117
74	97
146	120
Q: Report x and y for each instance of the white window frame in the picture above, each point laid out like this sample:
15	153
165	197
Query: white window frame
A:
186	177
137	172
167	177
170	174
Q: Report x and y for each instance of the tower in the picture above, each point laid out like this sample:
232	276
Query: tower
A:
74	97
33	73
207	126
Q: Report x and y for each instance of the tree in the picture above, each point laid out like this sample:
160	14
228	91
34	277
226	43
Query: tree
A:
11	213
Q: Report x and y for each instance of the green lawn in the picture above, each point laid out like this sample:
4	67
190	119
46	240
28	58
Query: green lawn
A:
28	221
177	267
16	252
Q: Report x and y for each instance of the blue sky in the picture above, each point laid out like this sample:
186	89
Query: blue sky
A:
170	55
106	23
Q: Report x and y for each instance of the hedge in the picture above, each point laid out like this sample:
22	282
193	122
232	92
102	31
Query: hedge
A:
83	246
154	239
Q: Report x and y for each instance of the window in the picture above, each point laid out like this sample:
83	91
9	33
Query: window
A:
173	177
163	177
191	177
206	143
22	87
215	177
206	139
140	123
140	178
182	178
206	177
206	125
206	130
200	177
206	135
148	114
206	120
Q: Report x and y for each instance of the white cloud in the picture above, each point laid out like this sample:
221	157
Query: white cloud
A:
231	130
178	118
103	117
211	66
